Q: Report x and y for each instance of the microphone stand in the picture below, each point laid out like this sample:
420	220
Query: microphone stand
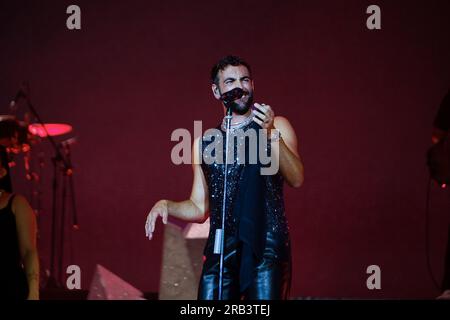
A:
67	179
220	233
67	169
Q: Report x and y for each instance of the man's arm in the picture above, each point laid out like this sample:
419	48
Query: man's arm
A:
194	209
291	165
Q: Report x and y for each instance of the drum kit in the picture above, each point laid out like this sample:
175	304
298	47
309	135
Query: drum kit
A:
30	134
26	139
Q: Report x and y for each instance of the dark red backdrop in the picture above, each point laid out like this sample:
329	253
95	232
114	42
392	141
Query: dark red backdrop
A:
362	103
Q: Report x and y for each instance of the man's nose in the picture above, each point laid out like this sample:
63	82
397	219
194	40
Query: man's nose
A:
239	85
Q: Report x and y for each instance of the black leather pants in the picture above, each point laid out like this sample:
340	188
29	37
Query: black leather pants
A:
272	275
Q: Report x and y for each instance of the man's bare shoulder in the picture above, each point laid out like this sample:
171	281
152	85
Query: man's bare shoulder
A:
282	124
287	132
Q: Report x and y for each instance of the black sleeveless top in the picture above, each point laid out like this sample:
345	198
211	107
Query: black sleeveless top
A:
13	282
274	211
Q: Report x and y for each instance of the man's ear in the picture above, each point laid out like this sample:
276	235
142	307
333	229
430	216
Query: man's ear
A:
216	91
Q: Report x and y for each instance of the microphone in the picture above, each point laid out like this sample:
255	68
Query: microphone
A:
232	95
20	94
229	97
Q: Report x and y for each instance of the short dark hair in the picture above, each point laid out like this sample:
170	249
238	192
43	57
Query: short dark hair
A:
229	60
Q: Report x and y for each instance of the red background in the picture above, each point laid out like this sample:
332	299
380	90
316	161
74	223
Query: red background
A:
362	103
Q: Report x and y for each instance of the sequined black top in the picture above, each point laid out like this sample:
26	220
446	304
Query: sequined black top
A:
214	176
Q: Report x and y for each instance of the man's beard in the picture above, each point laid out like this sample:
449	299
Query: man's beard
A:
242	108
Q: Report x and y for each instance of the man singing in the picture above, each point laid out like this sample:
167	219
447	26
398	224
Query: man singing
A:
257	250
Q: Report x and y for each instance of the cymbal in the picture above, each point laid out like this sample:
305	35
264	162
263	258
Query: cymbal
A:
53	129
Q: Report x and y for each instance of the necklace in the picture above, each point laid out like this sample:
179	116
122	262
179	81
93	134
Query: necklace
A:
238	125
